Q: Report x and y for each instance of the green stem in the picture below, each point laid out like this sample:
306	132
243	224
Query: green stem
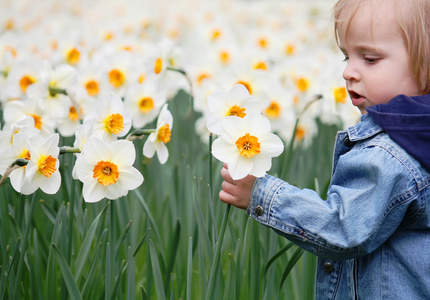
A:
24	246
215	262
53	91
139	133
67	149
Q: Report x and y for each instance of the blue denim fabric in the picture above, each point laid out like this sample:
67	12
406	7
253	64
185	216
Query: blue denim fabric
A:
372	233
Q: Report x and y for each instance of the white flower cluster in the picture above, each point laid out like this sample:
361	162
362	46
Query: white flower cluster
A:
95	69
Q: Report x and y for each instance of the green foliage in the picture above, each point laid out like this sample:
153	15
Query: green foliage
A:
170	238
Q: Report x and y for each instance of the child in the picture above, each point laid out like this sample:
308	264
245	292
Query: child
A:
372	234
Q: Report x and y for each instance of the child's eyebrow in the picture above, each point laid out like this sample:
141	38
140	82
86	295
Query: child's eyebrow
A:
361	48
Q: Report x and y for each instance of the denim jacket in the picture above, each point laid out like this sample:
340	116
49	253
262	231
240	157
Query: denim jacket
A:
372	233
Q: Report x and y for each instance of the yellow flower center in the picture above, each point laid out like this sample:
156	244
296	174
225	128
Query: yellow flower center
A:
261	65
146	104
158	66
224	57
216	34
106	172
236	111
300	133
164	134
274	110
73	113
47	165
262	42
248	145
141	78
116	78
25	81
340	94
290	49
12	50
202	76
302	84
247	85
25	154
114	123
73	56
92	87
37	121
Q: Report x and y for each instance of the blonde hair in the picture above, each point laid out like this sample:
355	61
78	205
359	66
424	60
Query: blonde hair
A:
414	25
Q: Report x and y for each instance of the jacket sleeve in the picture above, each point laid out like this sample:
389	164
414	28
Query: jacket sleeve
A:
369	195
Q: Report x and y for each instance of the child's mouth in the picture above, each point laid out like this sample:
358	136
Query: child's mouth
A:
356	99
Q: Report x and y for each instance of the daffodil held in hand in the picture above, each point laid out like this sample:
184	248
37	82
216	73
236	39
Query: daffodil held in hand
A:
247	145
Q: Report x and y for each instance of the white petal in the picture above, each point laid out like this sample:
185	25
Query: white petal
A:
223	151
241	168
271	145
148	149
93	191
123	151
162	152
130	178
261	166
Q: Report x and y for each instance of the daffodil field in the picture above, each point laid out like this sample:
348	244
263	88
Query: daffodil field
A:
116	118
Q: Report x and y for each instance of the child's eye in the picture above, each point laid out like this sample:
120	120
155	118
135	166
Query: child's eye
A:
371	60
346	58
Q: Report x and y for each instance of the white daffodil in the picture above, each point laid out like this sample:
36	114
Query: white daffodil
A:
106	169
144	101
247	145
109	119
42	169
236	102
17	150
157	140
22	75
16	111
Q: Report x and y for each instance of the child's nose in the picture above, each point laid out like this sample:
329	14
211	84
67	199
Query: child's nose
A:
351	73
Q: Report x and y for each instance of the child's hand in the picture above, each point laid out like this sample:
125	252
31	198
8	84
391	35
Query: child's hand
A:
236	192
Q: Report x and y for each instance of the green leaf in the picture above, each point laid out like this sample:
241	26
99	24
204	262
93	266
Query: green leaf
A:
131	280
291	263
189	268
67	275
276	256
86	245
156	272
121	238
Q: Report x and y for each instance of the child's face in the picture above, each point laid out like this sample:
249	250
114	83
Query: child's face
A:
378	67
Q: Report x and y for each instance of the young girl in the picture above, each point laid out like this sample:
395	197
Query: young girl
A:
372	233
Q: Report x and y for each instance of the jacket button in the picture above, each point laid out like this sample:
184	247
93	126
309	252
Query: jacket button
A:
258	210
347	142
328	267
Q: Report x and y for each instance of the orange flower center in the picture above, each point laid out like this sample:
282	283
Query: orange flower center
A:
248	145
224	56
92	87
73	56
247	85
158	66
73	113
114	123
47	165
340	94
116	78
37	121
25	81
106	172
302	84
164	134
274	110
146	104
236	111
261	65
